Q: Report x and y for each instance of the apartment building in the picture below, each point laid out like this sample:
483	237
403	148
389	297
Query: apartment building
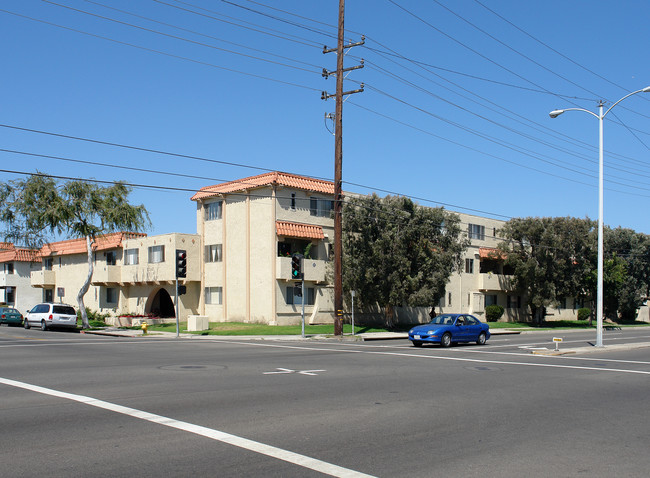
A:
249	229
16	267
239	262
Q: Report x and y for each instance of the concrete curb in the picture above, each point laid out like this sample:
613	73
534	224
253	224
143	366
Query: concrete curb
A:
592	349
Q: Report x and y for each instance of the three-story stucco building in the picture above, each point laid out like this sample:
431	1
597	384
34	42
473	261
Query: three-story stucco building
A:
239	263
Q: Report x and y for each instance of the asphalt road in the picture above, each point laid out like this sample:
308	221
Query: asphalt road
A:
84	405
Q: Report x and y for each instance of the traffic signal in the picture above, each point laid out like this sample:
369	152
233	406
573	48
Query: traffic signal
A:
181	263
296	266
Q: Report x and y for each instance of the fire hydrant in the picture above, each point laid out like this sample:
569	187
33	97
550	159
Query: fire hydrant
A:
144	328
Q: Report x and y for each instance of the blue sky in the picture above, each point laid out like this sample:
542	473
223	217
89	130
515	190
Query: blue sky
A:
454	112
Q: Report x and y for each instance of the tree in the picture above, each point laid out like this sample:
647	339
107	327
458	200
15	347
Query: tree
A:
551	258
397	253
633	249
37	206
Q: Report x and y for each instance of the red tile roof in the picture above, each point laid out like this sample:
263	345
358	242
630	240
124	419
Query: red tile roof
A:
491	253
294	229
78	246
6	246
20	255
275	178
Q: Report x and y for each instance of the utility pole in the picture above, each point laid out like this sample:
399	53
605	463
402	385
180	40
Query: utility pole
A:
338	164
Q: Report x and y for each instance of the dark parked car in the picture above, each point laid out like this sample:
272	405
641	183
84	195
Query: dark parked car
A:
446	329
10	316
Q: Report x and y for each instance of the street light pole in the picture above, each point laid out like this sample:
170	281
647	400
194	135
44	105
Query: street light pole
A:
599	289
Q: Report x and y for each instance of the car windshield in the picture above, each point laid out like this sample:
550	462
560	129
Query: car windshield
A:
443	319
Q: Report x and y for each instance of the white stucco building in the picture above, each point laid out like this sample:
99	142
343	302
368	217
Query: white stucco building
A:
239	263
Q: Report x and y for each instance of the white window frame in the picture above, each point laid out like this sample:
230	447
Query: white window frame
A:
156	254
213	210
132	257
213	295
476	231
214	253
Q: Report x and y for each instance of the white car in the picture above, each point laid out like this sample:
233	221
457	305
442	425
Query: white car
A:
51	315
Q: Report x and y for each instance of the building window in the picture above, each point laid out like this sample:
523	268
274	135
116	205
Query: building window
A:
213	253
10	295
213	210
475	231
561	303
292	298
8	267
293	201
514	302
320	207
469	266
449	299
213	295
132	257
111	295
47	264
156	254
110	258
48	295
490	299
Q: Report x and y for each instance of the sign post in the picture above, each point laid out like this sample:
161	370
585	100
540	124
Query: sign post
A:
353	293
557	341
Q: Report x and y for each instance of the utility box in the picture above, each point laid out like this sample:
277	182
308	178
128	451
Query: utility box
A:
196	323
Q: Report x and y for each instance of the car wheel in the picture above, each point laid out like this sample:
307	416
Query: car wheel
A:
43	325
445	341
481	339
26	324
417	343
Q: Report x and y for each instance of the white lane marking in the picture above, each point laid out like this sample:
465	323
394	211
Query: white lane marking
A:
438	357
261	448
288	370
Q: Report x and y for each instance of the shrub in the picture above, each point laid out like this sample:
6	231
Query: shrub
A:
95	318
493	312
584	313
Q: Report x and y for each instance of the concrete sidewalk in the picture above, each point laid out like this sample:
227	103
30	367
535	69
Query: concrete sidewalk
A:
118	332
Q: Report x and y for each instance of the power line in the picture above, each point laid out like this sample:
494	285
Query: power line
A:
178	37
203	34
151	50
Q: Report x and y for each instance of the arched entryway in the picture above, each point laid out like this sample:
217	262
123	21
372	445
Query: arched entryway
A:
160	304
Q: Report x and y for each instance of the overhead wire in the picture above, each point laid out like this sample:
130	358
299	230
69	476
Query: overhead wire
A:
176	37
151	50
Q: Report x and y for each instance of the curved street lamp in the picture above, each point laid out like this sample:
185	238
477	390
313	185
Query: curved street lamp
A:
601	117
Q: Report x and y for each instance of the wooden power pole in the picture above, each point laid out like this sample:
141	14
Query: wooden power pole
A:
338	164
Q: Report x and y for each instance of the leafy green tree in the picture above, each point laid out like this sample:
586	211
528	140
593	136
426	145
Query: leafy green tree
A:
634	250
551	258
33	208
397	253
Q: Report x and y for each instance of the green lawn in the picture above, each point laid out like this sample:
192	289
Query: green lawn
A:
240	328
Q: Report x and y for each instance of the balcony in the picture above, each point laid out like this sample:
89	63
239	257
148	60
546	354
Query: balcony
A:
10	280
497	282
313	269
43	278
107	275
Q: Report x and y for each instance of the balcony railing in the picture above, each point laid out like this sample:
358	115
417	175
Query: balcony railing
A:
498	282
43	278
107	275
313	269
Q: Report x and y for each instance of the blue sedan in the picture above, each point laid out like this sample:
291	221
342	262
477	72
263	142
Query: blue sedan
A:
446	329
